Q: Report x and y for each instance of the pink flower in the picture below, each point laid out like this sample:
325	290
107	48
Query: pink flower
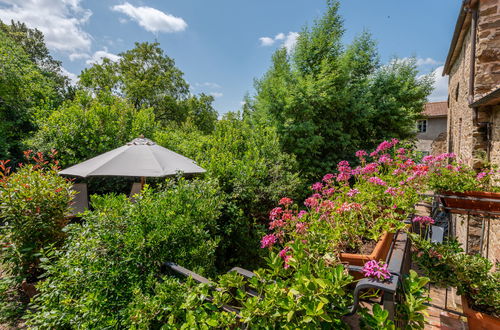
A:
328	177
481	175
268	241
283	252
394	141
343	163
285	201
370	168
361	153
348	207
393	191
401	151
301	227
428	159
287	257
376	180
353	192
311	202
276	224
327	205
317	186
384	146
275	213
423	220
376	270
301	214
329	191
385	159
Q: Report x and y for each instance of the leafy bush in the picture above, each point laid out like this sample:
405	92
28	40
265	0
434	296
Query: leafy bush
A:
117	252
253	173
472	275
34	204
311	293
88	126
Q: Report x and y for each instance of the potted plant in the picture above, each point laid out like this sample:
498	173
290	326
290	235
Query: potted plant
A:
446	265
463	187
353	214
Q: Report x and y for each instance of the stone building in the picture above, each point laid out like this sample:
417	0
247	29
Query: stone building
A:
473	66
431	129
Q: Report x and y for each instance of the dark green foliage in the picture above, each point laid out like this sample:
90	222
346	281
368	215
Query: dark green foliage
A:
23	88
146	77
116	254
327	100
33	43
88	126
252	171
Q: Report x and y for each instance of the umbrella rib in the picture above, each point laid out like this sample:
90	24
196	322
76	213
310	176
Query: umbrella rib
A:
157	161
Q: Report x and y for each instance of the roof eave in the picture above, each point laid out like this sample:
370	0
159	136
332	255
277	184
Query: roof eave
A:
492	98
456	38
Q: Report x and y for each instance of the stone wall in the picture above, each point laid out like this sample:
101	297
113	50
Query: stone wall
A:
487	77
465	136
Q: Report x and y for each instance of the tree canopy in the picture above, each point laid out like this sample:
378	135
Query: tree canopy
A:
328	100
147	77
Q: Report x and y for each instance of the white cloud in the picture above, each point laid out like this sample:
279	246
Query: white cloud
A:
279	36
427	61
72	77
289	40
60	21
216	94
440	92
151	19
100	54
266	41
211	85
78	56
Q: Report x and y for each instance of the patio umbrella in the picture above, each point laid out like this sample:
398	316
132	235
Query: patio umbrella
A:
140	158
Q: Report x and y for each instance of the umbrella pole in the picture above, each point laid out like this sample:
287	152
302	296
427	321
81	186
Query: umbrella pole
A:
143	181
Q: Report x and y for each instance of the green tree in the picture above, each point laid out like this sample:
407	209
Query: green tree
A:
33	43
147	77
88	126
23	89
327	100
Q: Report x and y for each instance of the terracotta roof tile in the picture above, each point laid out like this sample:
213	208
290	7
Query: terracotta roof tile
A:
435	109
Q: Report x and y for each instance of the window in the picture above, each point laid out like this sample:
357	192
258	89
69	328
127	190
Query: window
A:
422	126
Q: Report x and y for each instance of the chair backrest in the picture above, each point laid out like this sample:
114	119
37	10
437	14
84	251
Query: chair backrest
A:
81	199
136	189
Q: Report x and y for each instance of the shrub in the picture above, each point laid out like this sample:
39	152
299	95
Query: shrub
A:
117	253
253	173
34	204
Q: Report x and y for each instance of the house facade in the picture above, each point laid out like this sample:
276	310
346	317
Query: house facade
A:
431	129
473	67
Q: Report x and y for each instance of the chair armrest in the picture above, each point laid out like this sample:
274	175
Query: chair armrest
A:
390	286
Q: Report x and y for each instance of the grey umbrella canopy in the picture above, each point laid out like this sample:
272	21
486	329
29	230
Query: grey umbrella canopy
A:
140	157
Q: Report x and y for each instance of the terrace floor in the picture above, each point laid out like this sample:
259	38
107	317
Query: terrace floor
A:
441	315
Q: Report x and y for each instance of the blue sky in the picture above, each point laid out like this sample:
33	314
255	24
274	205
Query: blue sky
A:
223	45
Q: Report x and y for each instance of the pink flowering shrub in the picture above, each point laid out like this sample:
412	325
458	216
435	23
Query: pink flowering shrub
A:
457	176
352	206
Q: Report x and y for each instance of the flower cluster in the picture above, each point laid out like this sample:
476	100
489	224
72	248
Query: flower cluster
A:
423	220
376	269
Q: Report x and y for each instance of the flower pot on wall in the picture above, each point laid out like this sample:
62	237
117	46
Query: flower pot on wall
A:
478	320
462	201
379	252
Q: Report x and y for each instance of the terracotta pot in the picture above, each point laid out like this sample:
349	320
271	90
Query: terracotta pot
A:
478	320
379	252
450	200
